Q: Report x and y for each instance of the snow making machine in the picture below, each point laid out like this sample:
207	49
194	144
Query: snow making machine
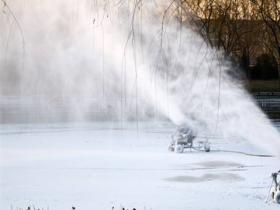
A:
275	189
184	138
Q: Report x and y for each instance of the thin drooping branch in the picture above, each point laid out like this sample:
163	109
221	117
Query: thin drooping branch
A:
10	11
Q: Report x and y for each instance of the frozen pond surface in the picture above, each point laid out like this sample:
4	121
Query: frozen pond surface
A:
96	166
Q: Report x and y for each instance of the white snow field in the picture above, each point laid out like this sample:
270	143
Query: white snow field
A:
96	166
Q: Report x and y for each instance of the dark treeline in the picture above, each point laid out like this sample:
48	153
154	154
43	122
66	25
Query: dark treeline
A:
248	31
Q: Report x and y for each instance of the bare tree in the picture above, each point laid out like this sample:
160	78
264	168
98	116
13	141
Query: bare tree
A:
243	29
270	14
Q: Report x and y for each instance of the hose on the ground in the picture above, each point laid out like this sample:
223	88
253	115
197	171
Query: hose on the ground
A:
237	152
243	153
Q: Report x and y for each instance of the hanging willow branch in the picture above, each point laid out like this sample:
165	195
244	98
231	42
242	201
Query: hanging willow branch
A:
12	14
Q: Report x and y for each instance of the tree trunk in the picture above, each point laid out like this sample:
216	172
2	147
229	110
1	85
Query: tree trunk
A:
278	66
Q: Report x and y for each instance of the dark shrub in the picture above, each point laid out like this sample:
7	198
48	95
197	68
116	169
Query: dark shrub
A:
266	68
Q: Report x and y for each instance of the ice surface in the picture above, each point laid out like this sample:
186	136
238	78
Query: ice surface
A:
96	166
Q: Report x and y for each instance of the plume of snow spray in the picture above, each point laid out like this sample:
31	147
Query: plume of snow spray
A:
123	60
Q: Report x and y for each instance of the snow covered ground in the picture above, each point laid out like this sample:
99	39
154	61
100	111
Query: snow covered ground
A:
97	166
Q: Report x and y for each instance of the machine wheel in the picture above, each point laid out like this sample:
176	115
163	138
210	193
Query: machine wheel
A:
277	197
179	149
171	148
207	147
